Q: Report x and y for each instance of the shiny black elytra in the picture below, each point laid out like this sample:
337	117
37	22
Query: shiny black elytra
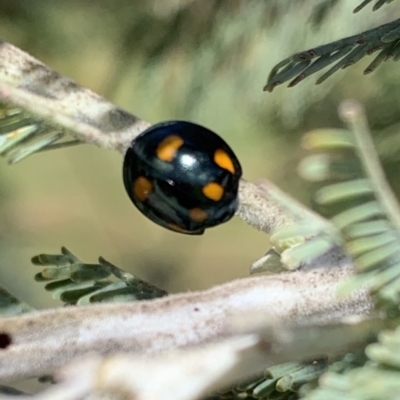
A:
182	176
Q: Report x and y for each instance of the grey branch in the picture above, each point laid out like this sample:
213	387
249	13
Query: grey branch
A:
188	374
43	341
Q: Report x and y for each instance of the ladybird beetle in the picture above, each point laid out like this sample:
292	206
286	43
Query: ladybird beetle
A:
182	176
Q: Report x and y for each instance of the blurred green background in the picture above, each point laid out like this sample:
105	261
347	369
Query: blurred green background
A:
204	61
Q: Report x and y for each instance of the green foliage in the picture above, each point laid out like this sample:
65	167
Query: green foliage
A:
74	282
353	193
377	5
10	305
377	377
351	190
348	51
7	390
22	135
283	381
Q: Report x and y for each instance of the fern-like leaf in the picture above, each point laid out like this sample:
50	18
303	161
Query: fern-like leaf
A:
22	134
377	5
74	282
354	194
283	380
10	305
373	374
345	52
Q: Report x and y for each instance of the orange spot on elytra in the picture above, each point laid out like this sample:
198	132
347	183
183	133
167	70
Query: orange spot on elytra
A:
142	187
213	191
222	159
168	147
198	215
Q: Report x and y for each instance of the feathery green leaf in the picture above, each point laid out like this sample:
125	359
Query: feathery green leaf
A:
75	282
345	52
